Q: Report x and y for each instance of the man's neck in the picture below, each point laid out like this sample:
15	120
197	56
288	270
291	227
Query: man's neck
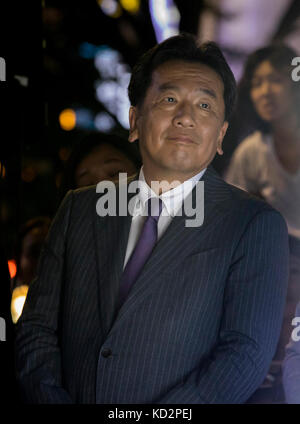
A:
161	182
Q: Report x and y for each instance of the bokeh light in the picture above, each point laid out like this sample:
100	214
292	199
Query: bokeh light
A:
17	302
67	119
12	268
132	6
111	8
165	18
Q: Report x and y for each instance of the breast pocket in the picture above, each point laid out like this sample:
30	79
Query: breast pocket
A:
195	286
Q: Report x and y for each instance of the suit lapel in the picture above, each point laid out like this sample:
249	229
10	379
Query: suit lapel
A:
111	237
177	238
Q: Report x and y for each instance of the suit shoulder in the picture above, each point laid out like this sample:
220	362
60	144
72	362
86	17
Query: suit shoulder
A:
220	190
85	193
240	195
249	214
249	204
81	200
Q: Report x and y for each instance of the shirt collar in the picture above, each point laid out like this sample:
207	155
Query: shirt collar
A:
172	199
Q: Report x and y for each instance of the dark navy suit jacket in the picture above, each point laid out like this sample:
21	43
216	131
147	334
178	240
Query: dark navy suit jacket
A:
200	324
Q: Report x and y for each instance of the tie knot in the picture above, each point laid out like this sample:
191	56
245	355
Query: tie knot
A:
154	207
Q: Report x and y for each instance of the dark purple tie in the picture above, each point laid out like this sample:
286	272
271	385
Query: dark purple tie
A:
142	250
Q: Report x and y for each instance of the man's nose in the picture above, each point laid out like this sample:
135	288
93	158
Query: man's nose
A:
184	116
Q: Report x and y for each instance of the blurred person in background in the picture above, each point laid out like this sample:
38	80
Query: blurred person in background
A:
98	157
30	242
29	245
267	162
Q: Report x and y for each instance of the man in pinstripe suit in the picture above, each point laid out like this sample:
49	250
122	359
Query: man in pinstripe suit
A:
201	322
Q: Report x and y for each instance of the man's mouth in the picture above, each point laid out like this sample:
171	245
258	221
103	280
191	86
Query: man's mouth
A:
181	139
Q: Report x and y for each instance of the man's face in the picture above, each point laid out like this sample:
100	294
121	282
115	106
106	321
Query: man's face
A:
180	125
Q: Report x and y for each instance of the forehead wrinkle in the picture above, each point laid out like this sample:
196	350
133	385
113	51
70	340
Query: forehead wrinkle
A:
170	86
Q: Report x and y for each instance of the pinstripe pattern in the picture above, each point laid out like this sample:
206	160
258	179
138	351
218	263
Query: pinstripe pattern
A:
200	325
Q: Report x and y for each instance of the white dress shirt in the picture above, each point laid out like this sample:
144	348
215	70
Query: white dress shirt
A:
172	202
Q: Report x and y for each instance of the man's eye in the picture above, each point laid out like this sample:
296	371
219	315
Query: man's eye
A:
204	105
170	99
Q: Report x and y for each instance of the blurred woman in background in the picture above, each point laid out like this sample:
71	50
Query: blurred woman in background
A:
267	162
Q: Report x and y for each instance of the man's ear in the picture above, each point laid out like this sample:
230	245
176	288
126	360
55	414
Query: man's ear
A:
133	129
221	137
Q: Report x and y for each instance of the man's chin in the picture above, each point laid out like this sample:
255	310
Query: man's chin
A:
180	169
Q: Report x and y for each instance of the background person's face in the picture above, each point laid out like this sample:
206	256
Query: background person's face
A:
103	163
31	248
180	125
271	93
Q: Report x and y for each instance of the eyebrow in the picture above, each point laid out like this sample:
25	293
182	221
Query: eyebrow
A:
168	86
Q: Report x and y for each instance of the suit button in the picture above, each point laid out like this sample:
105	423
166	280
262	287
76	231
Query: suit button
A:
106	352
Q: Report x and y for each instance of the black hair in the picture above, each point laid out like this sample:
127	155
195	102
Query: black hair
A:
183	47
280	56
